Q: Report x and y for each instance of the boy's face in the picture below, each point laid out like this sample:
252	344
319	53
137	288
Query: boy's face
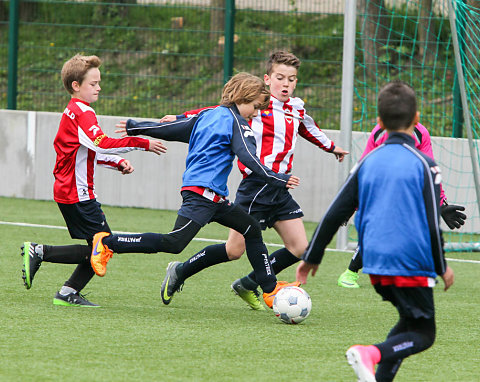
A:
90	87
282	81
250	110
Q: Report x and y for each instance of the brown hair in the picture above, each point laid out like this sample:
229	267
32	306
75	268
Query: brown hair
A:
76	68
244	88
282	57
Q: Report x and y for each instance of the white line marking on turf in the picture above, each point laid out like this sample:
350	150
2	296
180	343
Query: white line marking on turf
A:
18	224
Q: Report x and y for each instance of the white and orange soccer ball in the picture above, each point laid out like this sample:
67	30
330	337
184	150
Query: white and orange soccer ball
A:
292	305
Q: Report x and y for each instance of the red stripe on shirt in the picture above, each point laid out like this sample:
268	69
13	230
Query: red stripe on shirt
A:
402	281
268	133
289	130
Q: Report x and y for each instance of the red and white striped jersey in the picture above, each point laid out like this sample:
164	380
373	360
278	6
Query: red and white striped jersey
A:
80	144
276	130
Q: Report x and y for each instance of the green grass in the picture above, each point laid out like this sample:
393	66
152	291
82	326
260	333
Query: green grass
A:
206	333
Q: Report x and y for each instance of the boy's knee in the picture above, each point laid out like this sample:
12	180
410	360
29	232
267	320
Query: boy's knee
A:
254	231
173	246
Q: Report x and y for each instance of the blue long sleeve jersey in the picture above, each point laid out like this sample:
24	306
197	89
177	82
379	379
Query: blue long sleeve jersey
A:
396	192
214	136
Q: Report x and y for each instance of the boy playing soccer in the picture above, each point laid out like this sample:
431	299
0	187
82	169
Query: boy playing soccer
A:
396	189
450	213
276	131
215	137
80	145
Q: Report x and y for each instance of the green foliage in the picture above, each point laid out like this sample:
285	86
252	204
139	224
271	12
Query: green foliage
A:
152	67
206	333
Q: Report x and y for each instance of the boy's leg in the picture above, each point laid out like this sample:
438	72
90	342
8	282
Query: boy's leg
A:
348	279
178	272
414	332
294	237
257	253
416	335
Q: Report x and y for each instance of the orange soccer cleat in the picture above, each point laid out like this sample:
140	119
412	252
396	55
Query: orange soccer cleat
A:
269	297
100	254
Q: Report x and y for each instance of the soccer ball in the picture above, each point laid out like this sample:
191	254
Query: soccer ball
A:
292	305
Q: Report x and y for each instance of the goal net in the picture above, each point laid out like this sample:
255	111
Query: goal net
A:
411	40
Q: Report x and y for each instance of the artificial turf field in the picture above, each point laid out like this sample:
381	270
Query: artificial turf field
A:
206	333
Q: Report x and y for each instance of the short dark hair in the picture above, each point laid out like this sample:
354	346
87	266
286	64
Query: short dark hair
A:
397	105
282	57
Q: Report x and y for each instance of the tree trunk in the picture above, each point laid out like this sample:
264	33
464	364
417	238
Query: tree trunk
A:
217	27
373	23
427	38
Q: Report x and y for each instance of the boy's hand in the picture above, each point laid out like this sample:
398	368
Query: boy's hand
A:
168	118
125	167
339	153
304	269
448	278
451	215
293	182
121	128
156	147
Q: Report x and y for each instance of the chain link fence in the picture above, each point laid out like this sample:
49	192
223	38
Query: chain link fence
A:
164	57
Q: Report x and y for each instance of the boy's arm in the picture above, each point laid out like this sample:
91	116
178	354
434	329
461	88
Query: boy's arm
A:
109	161
244	146
91	136
179	130
309	130
115	162
431	197
426	147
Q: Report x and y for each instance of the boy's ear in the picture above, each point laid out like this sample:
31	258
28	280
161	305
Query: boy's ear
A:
266	79
380	122
75	86
416	119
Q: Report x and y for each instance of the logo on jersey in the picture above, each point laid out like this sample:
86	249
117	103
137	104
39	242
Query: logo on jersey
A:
437	174
247	131
69	113
94	129
266	113
288	117
97	141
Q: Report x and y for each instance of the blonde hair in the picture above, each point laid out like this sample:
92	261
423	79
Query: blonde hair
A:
244	88
76	69
282	57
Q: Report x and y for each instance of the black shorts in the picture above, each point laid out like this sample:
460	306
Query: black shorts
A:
202	210
412	302
84	219
266	203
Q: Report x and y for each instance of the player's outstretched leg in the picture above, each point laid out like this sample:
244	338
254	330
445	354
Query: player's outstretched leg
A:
251	297
31	262
73	299
171	283
360	359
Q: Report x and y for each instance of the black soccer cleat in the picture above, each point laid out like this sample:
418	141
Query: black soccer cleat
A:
171	282
31	263
73	299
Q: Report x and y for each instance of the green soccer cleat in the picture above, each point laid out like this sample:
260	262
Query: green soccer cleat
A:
348	279
31	263
73	299
171	282
251	297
